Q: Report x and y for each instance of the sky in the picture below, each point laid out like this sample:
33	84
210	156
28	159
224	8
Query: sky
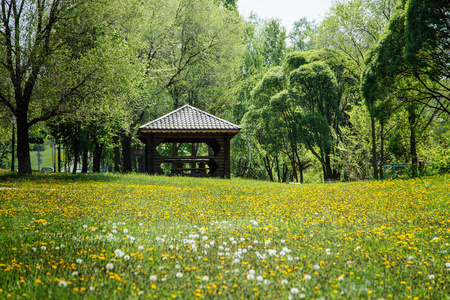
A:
288	11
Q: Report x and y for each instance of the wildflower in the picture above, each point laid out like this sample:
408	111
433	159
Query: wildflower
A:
125	231
141	248
250	277
57	248
259	278
294	290
307	277
447	264
284	282
79	261
109	266
179	275
316	267
282	241
266	281
62	283
43	248
126	257
74	273
302	296
205	238
431	276
205	278
153	277
119	253
85	226
91	288
252	272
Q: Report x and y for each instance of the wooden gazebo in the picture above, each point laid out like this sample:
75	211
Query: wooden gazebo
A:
189	125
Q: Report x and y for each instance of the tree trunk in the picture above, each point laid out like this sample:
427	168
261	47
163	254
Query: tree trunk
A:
23	147
116	153
278	168
268	167
413	151
327	168
75	158
381	150
374	149
84	164
59	158
97	156
126	154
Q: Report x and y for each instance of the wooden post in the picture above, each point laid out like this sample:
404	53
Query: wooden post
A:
150	155
226	154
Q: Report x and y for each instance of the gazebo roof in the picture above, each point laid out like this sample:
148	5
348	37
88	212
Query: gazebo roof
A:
189	119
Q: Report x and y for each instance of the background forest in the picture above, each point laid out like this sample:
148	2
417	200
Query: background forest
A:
337	100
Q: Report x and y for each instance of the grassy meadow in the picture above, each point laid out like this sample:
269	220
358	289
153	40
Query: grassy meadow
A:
138	236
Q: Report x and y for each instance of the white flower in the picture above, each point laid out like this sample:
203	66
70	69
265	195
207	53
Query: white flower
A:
282	241
266	281
358	248
153	277
252	272
126	257
140	224
62	283
74	273
302	296
85	226
212	243
119	253
284	282
316	267
294	290
114	231
92	288
242	239
109	266
259	278
79	261
177	266
431	276
307	277
447	264
125	231
141	248
205	278
179	275
33	248
56	248
250	277
205	238
43	248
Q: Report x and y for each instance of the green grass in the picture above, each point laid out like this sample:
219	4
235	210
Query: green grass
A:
191	238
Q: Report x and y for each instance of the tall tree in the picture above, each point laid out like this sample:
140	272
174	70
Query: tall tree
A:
50	51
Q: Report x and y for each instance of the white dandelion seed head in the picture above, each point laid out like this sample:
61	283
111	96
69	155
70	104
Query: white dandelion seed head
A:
85	226
250	277
62	283
141	248
205	278
284	282
119	253
43	248
431	276
153	277
179	275
282	241
294	290
79	261
92	288
259	278
447	264
109	266
307	277
125	231
316	267
126	257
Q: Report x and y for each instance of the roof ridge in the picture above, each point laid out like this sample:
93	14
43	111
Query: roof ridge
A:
213	123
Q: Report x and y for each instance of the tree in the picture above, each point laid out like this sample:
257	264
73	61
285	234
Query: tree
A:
50	52
426	49
302	35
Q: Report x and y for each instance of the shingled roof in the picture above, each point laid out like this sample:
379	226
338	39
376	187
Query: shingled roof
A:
189	119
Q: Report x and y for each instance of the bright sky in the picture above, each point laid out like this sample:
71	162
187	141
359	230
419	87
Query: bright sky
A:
288	11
